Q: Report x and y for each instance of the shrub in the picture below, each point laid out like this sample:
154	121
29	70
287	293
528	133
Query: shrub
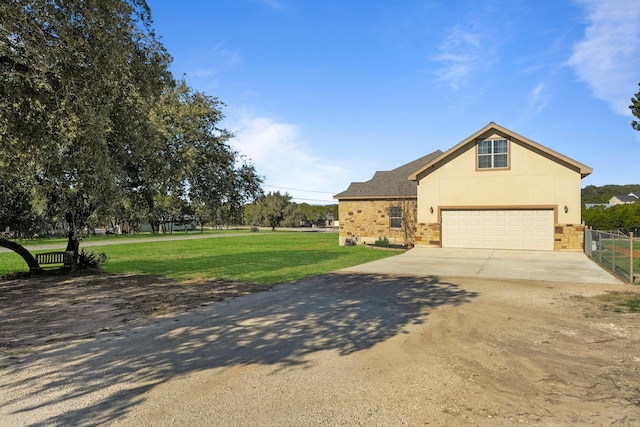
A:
382	242
254	229
91	259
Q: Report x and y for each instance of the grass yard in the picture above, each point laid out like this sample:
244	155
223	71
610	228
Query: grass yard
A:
617	253
620	302
124	237
263	258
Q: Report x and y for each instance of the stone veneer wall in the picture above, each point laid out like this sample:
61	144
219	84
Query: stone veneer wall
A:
428	234
368	220
569	237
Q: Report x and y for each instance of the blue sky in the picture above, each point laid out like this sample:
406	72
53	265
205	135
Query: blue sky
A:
324	92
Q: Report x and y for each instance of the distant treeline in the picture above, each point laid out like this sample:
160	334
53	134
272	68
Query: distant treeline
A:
618	217
594	194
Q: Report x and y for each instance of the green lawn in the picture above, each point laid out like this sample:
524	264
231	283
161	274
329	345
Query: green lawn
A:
608	256
125	237
264	257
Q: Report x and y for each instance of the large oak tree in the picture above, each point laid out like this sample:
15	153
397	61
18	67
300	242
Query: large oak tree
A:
91	118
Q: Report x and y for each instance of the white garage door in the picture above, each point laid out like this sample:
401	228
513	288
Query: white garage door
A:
498	229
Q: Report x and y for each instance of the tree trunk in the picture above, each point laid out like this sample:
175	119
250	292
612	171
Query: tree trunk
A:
34	267
73	245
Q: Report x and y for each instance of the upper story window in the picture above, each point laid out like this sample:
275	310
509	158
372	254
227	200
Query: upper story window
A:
493	154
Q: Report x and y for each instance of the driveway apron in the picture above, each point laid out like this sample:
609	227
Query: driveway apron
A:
572	267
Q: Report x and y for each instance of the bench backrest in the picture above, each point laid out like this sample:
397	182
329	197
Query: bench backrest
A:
55	258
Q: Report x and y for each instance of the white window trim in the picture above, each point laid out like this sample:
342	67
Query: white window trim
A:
492	156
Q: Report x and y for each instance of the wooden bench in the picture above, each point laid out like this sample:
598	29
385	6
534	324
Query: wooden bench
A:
49	258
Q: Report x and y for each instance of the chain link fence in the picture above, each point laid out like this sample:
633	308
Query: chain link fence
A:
614	251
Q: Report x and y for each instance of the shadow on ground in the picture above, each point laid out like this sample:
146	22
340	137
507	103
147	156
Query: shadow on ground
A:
98	380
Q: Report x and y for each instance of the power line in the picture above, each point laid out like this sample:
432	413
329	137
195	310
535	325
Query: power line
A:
316	200
297	189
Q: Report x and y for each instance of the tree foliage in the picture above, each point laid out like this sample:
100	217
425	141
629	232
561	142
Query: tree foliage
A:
93	124
602	194
317	214
618	217
78	80
635	110
16	208
272	209
279	209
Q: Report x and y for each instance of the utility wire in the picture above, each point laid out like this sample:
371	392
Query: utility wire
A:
298	189
316	200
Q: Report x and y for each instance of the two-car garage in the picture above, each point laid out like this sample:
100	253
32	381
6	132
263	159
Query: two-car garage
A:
527	229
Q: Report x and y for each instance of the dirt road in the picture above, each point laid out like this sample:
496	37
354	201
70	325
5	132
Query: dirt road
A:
339	349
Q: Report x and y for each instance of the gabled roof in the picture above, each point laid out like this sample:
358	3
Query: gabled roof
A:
489	130
631	198
388	184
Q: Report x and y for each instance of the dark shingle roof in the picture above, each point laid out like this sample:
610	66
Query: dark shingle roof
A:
631	198
386	184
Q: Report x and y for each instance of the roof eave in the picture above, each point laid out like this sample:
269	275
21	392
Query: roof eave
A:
375	197
582	168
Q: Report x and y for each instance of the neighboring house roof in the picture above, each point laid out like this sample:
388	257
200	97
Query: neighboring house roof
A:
388	184
489	130
631	198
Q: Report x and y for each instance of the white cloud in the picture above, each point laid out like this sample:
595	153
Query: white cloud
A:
461	52
273	4
538	98
285	159
224	54
208	64
608	57
204	72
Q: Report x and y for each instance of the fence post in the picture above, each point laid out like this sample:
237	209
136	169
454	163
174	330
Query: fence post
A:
613	254
631	258
600	248
588	242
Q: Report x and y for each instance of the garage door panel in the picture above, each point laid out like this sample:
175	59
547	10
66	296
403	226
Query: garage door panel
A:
498	229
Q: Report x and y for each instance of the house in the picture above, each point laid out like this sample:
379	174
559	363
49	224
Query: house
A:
495	189
623	200
369	210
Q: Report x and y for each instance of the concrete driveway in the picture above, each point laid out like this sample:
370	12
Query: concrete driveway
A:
572	267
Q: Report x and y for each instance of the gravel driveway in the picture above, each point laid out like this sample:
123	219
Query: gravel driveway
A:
349	348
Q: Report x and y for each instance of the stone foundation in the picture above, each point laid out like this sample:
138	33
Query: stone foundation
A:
428	234
569	237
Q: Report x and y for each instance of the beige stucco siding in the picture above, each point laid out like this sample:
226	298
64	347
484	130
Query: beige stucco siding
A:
533	179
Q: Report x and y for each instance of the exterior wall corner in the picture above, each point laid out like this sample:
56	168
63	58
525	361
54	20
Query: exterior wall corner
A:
428	234
569	237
